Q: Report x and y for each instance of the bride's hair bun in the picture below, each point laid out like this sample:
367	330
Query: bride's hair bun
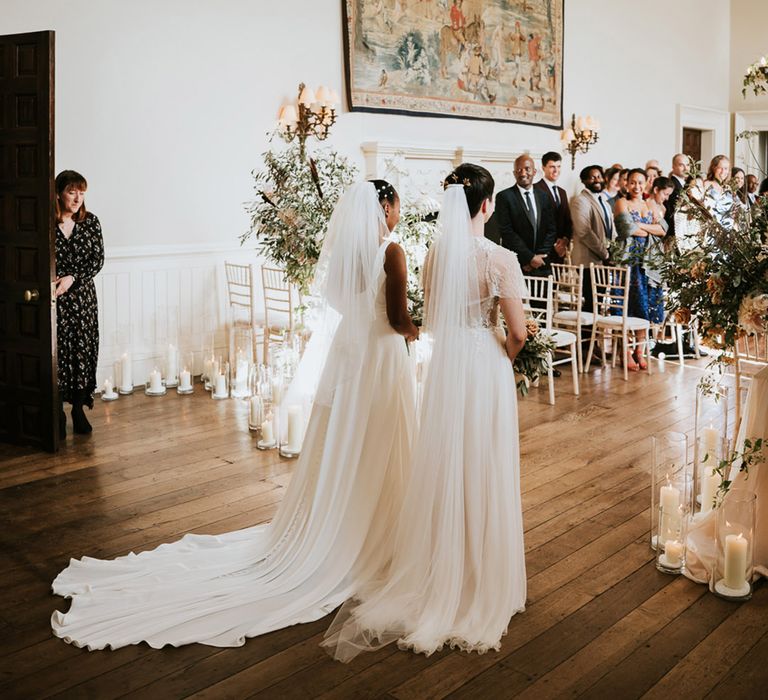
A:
384	191
478	184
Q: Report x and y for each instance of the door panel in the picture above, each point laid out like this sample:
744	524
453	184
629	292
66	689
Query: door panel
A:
28	392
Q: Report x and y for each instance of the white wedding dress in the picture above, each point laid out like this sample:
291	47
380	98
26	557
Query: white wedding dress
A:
458	571
334	525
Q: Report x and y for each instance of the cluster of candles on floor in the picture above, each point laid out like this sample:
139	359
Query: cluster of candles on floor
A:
684	493
158	382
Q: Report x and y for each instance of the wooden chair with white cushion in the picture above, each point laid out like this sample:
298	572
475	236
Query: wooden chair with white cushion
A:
539	306
281	300
610	295
244	310
568	300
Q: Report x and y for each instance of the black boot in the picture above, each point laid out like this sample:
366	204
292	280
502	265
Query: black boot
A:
80	423
62	422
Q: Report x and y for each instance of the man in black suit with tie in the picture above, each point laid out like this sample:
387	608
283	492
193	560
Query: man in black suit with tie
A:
678	176
551	163
526	220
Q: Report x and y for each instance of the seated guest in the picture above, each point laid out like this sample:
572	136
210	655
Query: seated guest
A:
551	163
635	221
526	220
751	189
592	226
611	188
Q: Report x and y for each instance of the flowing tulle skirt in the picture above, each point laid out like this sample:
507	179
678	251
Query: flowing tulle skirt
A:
333	528
458	571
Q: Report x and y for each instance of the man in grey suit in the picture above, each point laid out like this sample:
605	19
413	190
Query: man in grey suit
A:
593	226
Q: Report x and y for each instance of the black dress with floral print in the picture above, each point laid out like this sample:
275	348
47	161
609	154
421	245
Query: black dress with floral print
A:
77	327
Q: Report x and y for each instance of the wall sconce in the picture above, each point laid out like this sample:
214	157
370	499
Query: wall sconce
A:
313	114
580	136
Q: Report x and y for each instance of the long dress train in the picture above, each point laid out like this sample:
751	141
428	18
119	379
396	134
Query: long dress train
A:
458	571
332	528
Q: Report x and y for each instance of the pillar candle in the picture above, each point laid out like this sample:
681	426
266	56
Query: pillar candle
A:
673	550
710	483
171	366
255	410
207	367
185	379
710	438
155	381
295	429
277	391
126	380
220	387
266	431
108	387
241	376
735	560
669	500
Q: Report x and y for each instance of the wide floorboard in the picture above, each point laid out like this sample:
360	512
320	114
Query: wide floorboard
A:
601	622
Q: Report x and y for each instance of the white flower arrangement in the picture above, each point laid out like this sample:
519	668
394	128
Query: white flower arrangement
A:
756	77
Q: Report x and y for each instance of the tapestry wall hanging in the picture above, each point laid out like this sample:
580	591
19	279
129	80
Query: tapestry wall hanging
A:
500	60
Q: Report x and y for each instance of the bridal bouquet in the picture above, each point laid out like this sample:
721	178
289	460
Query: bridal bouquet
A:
295	199
533	360
720	273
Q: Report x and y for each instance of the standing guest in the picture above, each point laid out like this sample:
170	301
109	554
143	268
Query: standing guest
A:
739	184
551	163
653	163
611	188
763	188
660	194
526	220
717	198
651	173
79	257
751	189
681	165
623	182
592	227
635	220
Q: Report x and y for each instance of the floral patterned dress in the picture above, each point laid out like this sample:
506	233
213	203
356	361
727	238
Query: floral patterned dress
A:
77	321
646	300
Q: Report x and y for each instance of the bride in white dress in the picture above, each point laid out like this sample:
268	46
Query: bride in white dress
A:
333	527
458	569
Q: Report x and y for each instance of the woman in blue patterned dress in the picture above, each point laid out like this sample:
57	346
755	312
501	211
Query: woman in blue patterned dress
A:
635	223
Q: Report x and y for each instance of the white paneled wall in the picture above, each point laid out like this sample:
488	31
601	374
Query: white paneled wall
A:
150	296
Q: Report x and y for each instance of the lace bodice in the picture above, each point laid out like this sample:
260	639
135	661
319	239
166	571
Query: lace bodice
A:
499	277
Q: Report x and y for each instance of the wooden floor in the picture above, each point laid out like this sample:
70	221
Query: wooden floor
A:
601	622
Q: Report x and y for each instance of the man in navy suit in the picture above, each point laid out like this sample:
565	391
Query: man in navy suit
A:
526	220
551	163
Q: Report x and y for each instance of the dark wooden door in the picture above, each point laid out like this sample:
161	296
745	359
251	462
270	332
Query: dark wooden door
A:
692	143
28	388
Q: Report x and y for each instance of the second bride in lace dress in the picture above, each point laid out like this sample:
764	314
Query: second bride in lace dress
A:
458	570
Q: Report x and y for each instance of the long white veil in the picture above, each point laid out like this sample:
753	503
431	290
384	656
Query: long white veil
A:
342	296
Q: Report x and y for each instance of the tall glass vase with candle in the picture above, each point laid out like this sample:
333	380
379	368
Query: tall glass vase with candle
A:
241	368
256	400
124	374
735	536
154	385
710	443
186	374
171	366
209	356
220	380
291	430
671	478
672	526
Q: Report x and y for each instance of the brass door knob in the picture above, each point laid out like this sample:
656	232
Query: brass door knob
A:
31	295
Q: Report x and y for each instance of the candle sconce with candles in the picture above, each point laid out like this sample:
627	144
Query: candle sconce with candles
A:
735	536
186	375
155	385
579	136
313	115
671	481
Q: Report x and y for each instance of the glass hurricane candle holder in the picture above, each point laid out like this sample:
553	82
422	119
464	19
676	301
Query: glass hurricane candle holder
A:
155	385
291	431
171	366
671	477
241	371
124	374
735	537
256	413
672	527
186	375
267	441
108	392
710	443
220	381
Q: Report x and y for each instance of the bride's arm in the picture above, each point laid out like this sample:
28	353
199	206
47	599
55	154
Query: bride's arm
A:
396	288
516	330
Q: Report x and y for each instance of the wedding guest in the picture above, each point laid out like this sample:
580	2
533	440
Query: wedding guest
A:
651	173
660	193
717	198
681	165
592	227
551	163
653	163
763	188
526	220
611	188
623	182
751	189
739	184
79	257
635	221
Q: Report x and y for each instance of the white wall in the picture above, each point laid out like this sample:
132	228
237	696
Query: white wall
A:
164	105
749	41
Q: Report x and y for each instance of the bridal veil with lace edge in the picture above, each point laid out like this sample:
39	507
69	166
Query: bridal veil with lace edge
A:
334	525
458	569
